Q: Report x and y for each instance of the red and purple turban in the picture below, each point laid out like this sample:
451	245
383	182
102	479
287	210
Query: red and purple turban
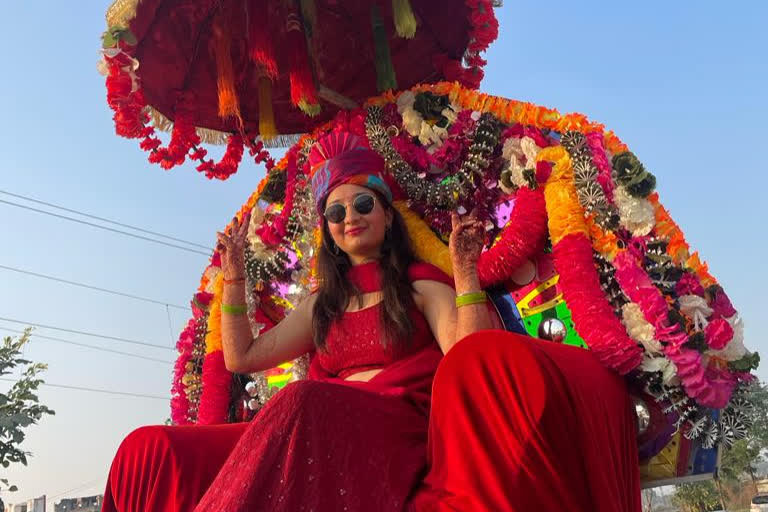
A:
340	158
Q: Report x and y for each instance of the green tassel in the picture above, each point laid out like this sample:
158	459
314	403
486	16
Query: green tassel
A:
405	21
385	71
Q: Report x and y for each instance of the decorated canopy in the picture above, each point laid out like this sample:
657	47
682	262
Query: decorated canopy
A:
246	72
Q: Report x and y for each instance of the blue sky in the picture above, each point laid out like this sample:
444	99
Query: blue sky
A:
683	84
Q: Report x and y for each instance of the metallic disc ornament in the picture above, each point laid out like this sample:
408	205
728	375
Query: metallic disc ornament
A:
552	329
643	415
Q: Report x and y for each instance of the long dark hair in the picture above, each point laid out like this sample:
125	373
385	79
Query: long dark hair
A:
335	291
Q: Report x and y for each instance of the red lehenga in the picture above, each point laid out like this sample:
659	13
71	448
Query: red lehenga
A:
516	425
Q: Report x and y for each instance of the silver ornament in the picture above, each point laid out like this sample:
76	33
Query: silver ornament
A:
253	404
643	415
251	388
552	329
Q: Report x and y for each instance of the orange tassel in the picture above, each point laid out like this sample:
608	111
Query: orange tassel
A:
267	128
229	104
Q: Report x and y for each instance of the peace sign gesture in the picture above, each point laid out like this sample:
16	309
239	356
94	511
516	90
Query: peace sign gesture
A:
231	246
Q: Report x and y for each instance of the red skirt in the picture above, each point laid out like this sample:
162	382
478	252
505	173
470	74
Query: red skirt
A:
516	424
520	424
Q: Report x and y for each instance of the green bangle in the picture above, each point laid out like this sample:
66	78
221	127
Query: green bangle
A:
234	309
467	299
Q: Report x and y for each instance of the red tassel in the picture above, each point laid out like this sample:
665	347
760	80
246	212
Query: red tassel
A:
261	50
303	93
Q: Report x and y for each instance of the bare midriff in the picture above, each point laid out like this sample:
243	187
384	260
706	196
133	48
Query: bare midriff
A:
363	376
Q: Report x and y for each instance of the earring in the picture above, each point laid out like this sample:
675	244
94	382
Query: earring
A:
334	248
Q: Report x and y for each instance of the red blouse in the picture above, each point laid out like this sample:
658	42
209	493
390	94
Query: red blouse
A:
354	343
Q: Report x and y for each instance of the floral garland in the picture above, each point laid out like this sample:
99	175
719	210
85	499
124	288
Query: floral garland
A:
180	404
579	280
591	193
524	237
484	30
132	114
131	117
187	384
646	306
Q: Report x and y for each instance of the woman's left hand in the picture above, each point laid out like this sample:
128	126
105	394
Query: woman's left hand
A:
466	242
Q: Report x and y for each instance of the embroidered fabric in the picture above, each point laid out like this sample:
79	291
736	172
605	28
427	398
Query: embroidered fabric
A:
326	444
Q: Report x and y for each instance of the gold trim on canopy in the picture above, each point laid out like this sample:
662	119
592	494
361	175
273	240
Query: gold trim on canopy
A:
216	137
121	12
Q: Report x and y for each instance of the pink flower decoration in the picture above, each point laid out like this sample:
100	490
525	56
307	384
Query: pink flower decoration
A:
710	387
519	130
604	167
689	285
721	305
543	170
718	332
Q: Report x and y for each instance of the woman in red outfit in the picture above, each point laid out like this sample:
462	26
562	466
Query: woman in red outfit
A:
516	424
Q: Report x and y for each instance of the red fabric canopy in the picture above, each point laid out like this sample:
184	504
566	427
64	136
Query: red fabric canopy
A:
178	69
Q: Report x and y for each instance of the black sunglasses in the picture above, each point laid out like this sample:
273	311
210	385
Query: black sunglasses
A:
337	212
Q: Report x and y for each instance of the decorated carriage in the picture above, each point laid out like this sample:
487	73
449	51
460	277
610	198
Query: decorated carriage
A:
580	248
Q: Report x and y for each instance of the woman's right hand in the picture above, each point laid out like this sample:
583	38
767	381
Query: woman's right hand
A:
231	247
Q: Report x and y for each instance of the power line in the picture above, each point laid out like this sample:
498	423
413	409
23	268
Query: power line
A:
87	485
90	287
95	390
106	228
73	331
70	210
93	347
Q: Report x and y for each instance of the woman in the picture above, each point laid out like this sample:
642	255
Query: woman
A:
355	435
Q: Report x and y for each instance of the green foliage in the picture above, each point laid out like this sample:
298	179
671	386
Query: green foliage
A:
696	496
19	406
744	455
740	459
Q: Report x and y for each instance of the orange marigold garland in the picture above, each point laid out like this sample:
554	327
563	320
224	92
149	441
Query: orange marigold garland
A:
593	315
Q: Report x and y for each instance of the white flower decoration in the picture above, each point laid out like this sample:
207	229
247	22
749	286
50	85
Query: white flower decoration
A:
430	136
517	151
639	329
695	308
661	364
530	150
450	113
635	213
412	122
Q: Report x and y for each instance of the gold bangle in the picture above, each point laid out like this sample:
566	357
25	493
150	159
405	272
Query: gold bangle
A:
234	309
234	281
467	299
